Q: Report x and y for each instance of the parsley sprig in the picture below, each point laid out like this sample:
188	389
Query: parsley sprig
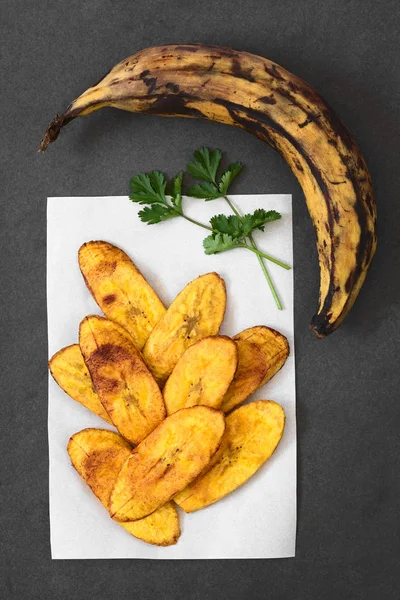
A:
163	201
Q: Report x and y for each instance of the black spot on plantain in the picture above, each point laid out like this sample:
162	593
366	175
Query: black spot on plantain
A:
268	99
298	165
144	74
336	213
242	73
348	286
174	104
310	119
173	87
151	83
274	72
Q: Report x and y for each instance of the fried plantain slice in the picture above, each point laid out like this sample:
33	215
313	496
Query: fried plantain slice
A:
70	372
250	373
273	344
98	456
197	312
125	386
251	435
120	289
202	375
166	462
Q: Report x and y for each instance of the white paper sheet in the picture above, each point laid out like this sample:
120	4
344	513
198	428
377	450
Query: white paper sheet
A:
259	519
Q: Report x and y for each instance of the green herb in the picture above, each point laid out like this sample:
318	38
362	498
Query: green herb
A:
163	201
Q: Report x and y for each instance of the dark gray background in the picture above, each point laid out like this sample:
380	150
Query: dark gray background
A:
347	385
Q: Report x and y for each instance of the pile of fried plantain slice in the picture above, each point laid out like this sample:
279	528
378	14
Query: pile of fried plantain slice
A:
165	379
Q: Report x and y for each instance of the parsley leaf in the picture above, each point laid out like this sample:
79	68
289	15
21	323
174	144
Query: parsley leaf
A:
176	191
146	189
258	219
241	227
150	189
205	164
156	213
219	242
205	191
228	176
230	225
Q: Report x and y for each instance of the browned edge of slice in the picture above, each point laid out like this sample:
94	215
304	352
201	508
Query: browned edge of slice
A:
274	345
120	289
166	462
125	386
249	376
202	375
197	312
69	371
98	455
251	436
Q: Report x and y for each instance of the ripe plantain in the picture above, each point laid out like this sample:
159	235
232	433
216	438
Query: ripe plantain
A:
255	94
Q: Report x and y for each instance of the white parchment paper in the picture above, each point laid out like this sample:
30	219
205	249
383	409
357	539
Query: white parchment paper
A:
259	519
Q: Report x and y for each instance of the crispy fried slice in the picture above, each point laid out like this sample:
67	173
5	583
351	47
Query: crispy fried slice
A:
98	456
120	290
166	462
273	344
196	312
124	384
252	433
202	375
250	373
70	372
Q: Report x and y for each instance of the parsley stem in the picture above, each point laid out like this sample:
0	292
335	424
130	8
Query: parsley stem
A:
195	222
266	256
269	281
259	257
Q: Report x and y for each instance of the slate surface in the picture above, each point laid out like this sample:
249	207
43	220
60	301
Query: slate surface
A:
348	385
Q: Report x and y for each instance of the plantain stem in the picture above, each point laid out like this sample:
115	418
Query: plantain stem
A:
259	257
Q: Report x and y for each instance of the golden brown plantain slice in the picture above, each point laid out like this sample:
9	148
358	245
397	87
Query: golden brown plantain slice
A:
252	433
250	373
120	289
98	456
273	344
70	372
202	375
166	462
197	312
124	384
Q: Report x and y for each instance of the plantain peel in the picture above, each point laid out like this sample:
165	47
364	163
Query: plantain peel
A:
251	436
250	374
120	290
166	462
272	344
202	375
197	312
70	372
98	456
125	386
263	98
